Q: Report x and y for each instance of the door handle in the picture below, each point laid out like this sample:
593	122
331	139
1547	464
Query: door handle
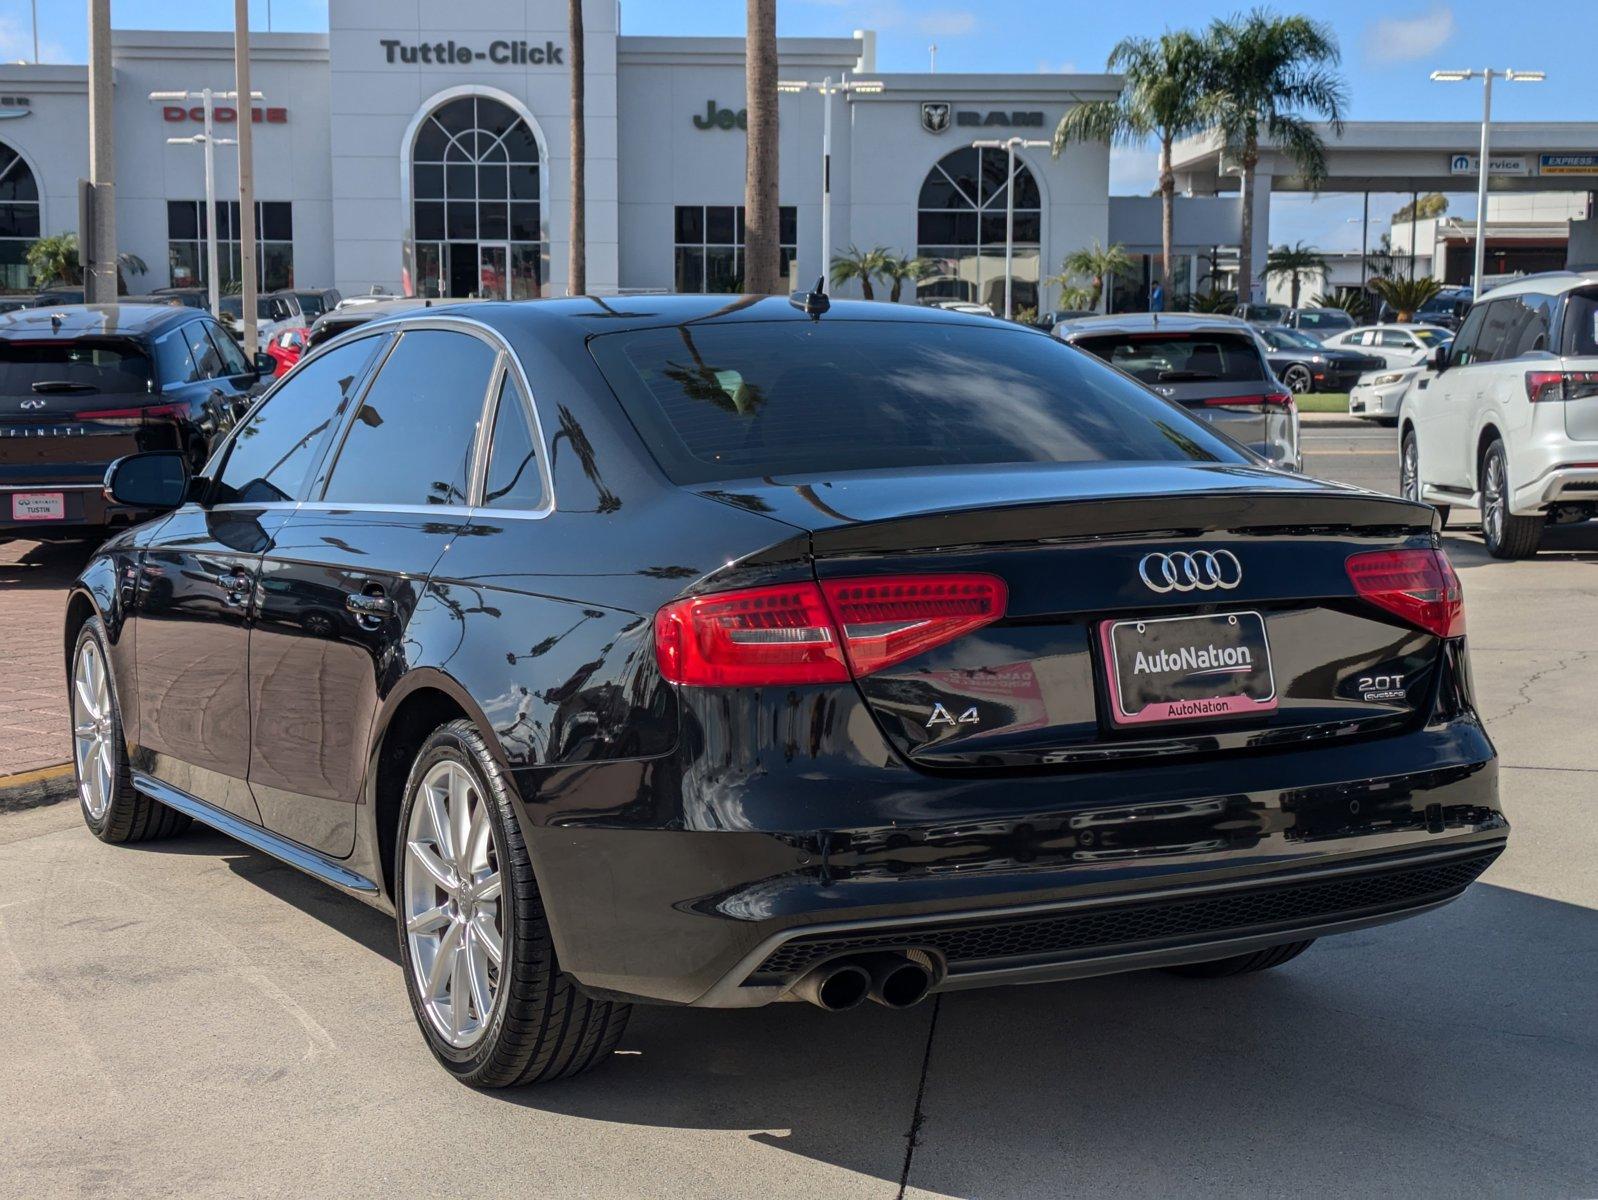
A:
369	606
237	585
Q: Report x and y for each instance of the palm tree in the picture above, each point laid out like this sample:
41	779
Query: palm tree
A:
1405	295
577	264
1295	262
1350	300
1095	264
762	257
899	269
864	265
1163	95
1266	73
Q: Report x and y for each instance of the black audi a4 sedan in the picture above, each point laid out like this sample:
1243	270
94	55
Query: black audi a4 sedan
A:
83	386
716	652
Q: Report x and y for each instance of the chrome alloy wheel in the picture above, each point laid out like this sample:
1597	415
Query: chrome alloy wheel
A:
453	925
1492	499
93	730
1409	470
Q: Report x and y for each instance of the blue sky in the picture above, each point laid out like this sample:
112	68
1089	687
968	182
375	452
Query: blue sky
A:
1389	47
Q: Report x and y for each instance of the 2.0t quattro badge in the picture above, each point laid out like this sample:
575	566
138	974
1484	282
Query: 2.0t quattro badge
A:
1187	571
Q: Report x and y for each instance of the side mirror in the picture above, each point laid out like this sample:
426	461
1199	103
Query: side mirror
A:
265	364
1440	358
157	479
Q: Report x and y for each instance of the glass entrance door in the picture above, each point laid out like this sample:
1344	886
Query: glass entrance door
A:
493	270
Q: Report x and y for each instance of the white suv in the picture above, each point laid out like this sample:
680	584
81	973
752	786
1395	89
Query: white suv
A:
1509	423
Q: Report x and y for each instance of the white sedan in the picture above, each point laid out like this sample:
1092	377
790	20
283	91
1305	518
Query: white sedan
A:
1378	394
1400	345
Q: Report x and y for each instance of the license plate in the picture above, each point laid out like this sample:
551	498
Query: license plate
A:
38	506
1188	668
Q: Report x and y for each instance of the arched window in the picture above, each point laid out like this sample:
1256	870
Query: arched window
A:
19	220
960	226
477	225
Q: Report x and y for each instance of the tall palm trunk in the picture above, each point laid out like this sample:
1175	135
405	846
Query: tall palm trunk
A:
761	252
1167	217
1245	252
577	269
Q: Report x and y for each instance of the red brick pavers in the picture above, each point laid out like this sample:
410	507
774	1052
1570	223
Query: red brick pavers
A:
33	696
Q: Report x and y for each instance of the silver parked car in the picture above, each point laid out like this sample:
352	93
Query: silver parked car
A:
1212	365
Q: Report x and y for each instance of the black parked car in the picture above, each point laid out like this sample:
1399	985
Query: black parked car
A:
313	302
708	651
83	386
1304	365
1212	365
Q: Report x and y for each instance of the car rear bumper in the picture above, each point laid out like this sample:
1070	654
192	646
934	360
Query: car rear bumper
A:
84	509
1039	877
1369	401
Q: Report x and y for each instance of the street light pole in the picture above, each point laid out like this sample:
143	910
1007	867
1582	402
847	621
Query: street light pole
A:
246	122
1486	76
208	140
1008	145
828	89
100	240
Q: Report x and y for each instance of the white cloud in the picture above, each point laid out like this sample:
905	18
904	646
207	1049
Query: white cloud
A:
1404	39
947	23
1133	171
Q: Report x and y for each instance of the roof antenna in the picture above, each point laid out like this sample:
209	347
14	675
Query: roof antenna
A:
813	303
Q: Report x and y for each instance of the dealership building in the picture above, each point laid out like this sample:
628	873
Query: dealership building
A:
419	147
424	147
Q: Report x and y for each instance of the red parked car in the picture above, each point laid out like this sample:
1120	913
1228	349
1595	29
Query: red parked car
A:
287	347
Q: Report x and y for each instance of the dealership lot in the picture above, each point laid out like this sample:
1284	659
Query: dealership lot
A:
202	1019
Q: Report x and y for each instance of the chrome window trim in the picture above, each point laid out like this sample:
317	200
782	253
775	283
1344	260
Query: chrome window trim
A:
530	410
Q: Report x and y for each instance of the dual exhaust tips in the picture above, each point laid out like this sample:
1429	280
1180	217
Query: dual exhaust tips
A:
894	979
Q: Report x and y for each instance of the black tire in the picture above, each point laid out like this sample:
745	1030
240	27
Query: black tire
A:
1243	964
1298	380
130	815
1506	535
542	1027
1409	473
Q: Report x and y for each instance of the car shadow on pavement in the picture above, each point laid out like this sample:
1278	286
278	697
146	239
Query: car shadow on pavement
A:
1451	1054
43	564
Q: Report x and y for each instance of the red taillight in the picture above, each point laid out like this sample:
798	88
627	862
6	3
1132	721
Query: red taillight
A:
1560	385
1418	585
132	414
807	633
1269	400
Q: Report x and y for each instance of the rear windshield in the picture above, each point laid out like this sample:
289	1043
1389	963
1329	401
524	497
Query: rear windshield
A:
85	366
733	401
1181	358
1330	319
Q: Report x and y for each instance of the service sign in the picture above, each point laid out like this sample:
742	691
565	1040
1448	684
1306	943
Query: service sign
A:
1568	164
1497	164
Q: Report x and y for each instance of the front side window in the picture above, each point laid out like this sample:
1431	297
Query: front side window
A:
708	247
1465	345
412	440
269	457
721	402
513	478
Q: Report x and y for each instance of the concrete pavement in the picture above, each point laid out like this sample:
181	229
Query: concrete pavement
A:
192	1017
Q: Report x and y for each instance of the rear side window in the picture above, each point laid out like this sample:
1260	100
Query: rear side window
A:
1530	319
233	360
732	401
207	360
270	455
1200	358
513	478
1580	325
413	438
86	367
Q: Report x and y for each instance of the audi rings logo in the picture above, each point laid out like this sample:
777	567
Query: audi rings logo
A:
1191	571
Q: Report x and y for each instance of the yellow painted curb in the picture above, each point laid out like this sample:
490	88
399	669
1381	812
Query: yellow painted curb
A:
30	789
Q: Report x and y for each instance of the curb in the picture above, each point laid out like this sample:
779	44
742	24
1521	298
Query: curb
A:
1334	421
35	789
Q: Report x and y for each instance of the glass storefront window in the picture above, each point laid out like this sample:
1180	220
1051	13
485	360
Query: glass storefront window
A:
475	203
709	241
186	243
960	227
19	221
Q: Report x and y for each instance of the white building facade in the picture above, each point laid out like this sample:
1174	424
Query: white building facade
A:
424	148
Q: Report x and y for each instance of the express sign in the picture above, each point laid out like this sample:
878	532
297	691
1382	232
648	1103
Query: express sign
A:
224	115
